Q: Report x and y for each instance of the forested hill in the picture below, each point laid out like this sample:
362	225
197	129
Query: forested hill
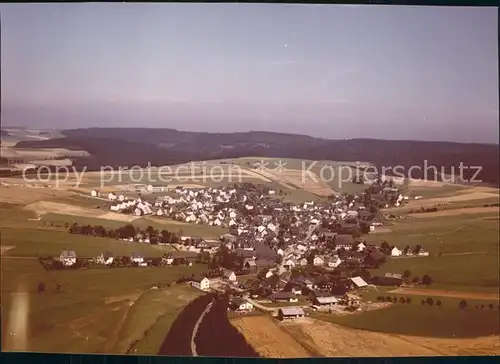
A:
138	146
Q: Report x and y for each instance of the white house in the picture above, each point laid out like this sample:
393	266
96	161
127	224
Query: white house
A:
241	305
94	193
361	247
201	283
111	196
395	252
136	258
318	260
289	262
105	258
334	262
230	275
280	251
68	258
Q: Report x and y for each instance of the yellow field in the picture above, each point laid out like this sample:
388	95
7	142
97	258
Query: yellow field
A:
332	340
268	339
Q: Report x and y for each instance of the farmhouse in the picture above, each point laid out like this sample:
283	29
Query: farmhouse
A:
201	283
68	258
136	258
283	297
325	301
352	300
229	275
290	313
395	252
239	304
106	258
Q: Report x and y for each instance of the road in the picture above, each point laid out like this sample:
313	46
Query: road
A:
197	326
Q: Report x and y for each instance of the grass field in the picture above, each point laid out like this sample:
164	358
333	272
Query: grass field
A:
36	242
87	315
151	317
181	228
433	192
469	247
416	319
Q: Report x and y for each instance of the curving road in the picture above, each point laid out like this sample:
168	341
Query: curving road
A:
203	329
196	328
178	340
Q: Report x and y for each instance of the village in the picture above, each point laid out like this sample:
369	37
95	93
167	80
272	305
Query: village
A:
309	256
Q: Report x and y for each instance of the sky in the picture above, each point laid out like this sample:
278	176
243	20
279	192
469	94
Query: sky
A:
387	72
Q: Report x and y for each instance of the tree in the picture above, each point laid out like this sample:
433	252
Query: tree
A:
438	303
415	280
41	287
418	248
429	301
462	304
423	302
385	245
490	306
427	280
407	274
408	300
402	300
395	300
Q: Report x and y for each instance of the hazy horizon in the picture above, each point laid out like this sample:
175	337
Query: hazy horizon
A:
381	72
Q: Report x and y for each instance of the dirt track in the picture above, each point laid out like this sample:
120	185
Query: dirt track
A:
336	341
438	293
463	211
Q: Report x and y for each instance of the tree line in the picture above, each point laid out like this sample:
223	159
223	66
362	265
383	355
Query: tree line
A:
126	232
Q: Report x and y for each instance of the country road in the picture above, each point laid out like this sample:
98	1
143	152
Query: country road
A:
197	326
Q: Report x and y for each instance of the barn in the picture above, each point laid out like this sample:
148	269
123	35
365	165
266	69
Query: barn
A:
290	313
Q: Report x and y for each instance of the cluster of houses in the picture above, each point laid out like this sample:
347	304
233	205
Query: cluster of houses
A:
107	258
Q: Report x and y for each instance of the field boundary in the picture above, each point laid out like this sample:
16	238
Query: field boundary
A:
442	293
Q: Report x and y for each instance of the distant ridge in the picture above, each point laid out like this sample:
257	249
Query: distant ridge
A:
138	146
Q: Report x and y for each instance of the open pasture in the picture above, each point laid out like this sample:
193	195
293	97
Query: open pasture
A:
468	245
178	227
36	242
446	320
90	311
